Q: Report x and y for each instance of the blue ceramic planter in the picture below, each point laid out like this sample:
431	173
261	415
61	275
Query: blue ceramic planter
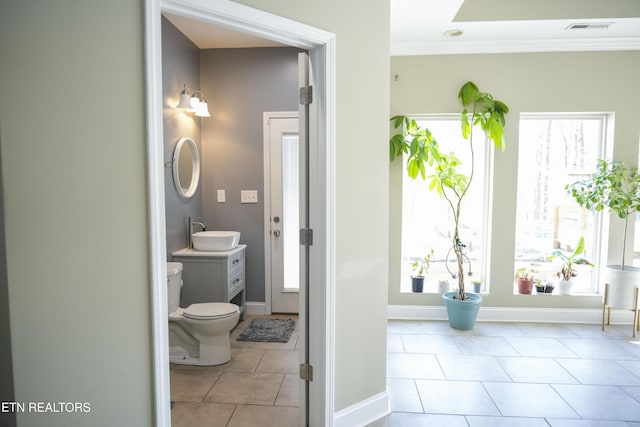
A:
462	314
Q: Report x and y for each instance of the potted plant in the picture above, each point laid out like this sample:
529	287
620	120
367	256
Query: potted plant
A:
443	286
420	269
526	277
567	271
614	186
545	287
477	286
421	147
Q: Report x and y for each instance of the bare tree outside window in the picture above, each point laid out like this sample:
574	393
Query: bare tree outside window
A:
419	236
555	150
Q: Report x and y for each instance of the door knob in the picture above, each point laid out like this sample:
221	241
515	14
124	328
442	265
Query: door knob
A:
276	233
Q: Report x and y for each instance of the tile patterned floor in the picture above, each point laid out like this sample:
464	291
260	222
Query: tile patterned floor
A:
258	387
512	374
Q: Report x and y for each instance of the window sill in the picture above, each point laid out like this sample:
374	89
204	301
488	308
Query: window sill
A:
402	291
533	294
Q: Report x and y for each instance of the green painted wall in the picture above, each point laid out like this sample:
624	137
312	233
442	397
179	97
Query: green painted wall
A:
72	118
536	82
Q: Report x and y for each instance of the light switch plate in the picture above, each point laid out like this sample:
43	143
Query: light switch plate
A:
221	196
249	196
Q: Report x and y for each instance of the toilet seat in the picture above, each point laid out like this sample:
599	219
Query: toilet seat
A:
173	268
210	311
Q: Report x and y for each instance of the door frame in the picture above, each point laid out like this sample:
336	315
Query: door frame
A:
266	147
321	47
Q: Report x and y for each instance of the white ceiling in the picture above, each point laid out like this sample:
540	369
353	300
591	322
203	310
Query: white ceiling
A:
207	36
492	26
488	26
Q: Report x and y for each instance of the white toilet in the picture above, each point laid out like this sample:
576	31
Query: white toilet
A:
198	334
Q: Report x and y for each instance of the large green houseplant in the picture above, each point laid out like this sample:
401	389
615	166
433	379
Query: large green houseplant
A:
614	186
423	153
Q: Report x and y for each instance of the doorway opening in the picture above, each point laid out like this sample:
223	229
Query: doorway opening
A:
321	47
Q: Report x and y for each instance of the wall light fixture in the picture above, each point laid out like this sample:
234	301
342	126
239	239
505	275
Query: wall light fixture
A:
193	101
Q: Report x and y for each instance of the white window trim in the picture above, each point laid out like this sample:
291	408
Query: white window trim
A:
605	151
487	209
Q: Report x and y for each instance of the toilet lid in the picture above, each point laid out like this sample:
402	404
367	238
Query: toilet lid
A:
210	310
173	268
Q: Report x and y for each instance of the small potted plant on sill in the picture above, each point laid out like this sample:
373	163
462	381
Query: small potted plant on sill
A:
477	285
526	277
567	271
545	287
420	269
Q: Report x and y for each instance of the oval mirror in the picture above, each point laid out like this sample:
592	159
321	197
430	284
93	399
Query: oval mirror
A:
186	167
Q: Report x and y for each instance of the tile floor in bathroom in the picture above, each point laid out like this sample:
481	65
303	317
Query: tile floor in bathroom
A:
258	387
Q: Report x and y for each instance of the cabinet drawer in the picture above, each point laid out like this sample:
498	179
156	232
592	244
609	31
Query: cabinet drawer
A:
235	262
236	283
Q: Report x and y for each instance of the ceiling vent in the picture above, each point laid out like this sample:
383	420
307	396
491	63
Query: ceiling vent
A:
592	26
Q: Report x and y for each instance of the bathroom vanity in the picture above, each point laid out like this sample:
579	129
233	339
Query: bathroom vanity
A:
213	276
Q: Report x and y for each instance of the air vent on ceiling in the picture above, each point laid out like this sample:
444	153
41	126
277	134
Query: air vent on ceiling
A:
592	26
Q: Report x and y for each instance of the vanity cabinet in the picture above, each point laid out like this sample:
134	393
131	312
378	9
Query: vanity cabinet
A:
212	276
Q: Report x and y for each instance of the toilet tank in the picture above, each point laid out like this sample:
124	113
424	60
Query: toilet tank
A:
174	284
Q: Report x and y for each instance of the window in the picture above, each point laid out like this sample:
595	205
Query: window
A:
636	236
291	210
556	150
636	241
427	222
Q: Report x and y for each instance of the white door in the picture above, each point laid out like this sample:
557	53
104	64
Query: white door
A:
283	216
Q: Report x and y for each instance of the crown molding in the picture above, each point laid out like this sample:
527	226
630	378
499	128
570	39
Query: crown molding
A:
461	47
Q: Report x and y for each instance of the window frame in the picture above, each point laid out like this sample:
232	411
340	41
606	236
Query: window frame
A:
484	260
600	222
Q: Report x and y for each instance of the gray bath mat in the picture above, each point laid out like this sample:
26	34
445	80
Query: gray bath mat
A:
263	329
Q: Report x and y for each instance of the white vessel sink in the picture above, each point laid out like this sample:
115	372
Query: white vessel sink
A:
215	241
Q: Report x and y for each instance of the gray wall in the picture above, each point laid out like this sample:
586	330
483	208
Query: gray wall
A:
180	65
6	365
240	85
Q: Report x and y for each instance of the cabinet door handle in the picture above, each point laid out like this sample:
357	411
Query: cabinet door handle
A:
236	281
235	261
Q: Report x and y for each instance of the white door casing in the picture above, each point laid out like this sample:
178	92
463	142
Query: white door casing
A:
321	47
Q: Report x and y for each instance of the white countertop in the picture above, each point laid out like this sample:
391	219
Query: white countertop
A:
186	252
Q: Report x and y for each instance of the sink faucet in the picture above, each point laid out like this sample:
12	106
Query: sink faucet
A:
191	224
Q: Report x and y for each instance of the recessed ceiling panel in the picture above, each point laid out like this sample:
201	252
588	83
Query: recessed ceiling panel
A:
424	27
534	10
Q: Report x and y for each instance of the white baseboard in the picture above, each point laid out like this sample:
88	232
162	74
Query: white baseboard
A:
255	308
364	412
513	314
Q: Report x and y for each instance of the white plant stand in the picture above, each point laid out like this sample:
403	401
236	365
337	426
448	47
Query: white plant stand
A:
606	309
